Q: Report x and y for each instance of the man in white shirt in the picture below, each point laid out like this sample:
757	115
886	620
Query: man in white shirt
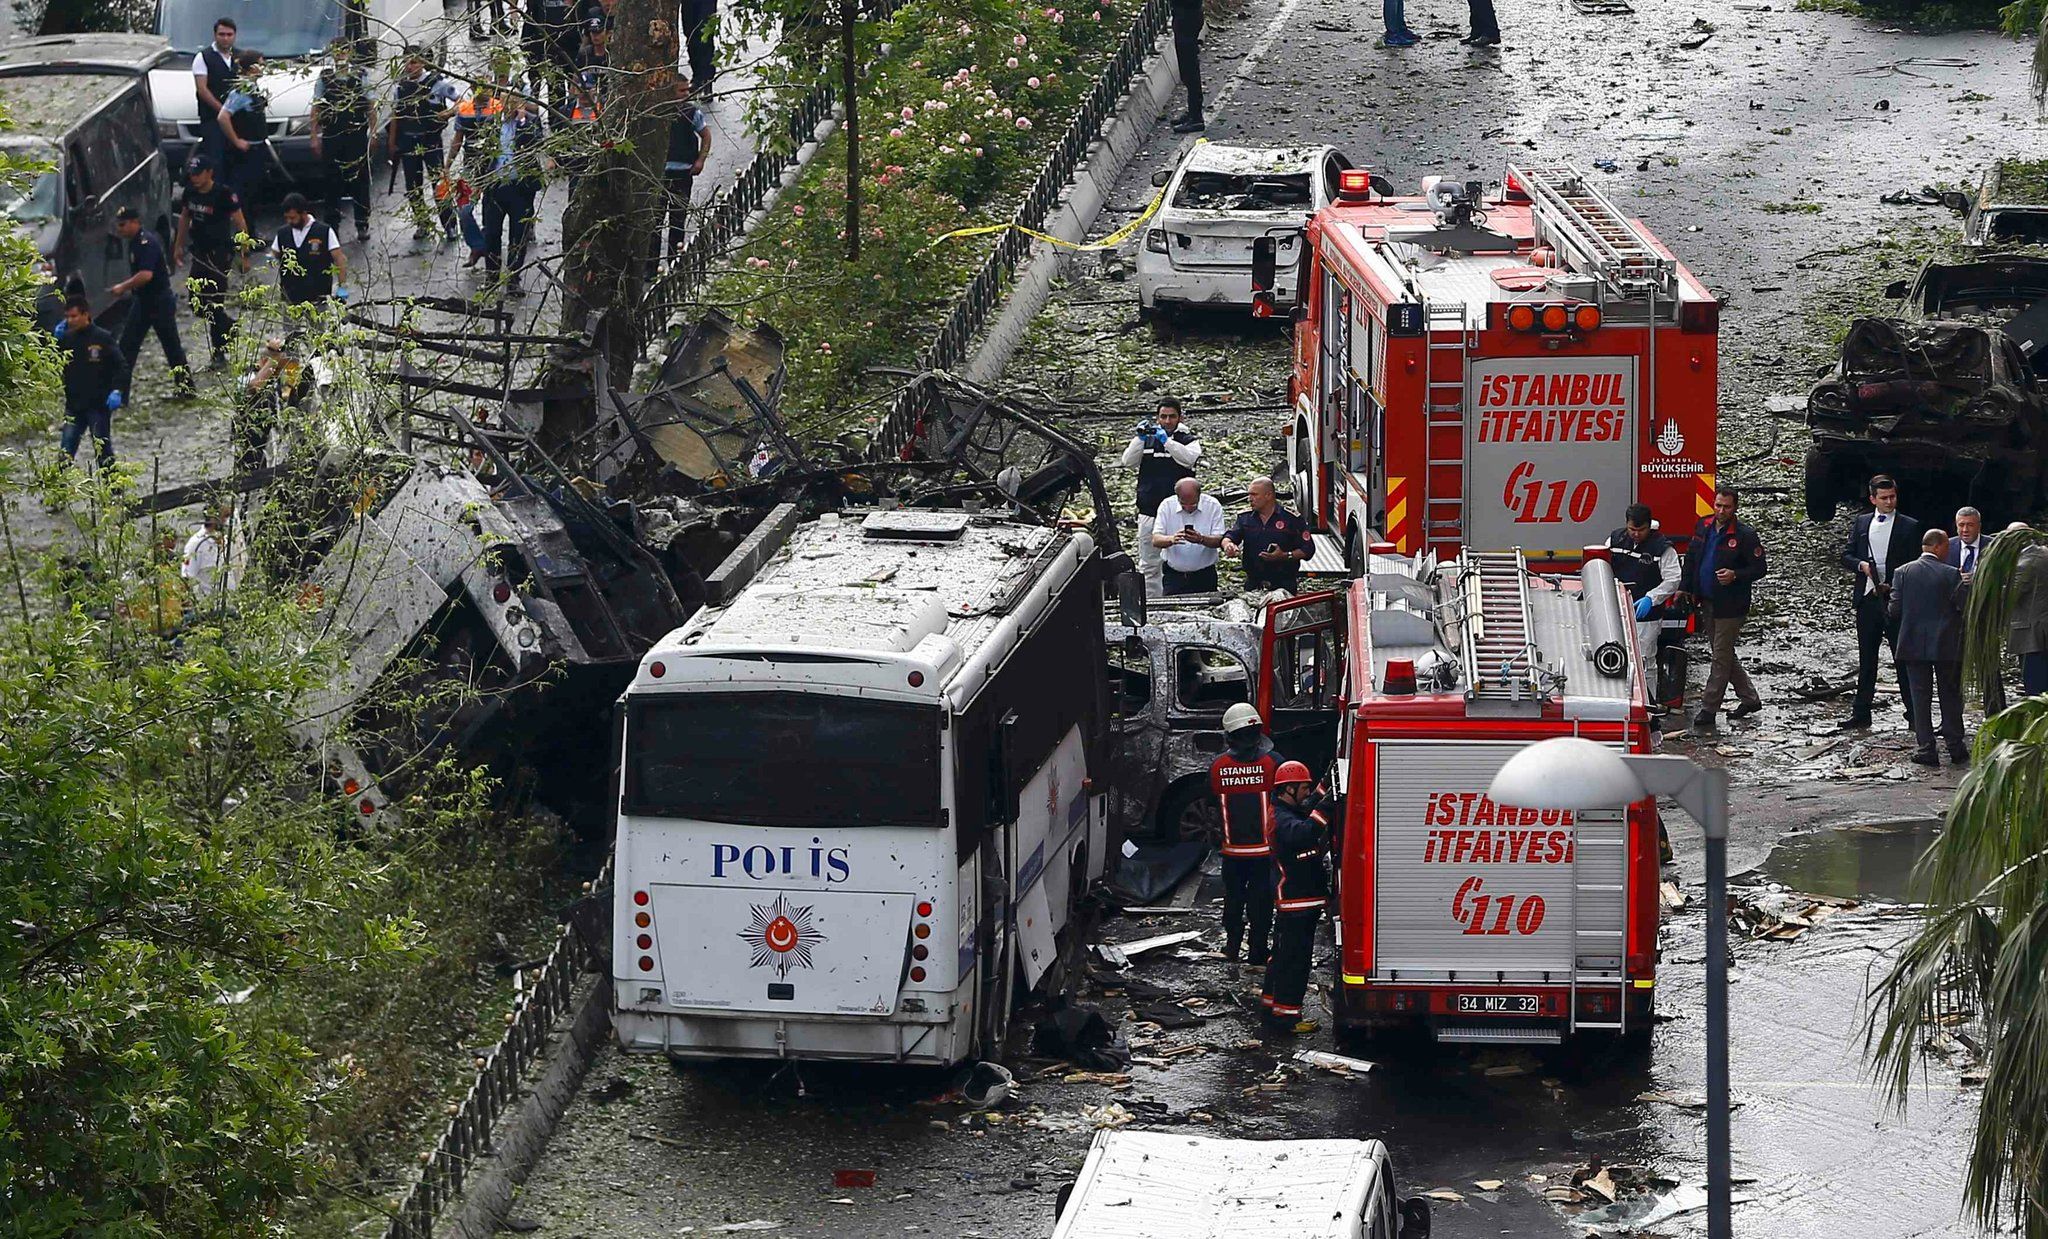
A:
213	75
205	564
1188	530
1163	452
1879	543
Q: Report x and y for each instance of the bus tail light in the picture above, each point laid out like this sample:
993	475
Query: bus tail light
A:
917	974
1699	316
647	963
657	669
640	898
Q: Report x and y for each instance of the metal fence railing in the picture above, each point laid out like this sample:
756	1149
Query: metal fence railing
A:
722	221
467	1138
984	293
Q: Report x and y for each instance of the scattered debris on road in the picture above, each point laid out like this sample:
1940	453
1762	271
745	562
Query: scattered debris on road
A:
1340	1064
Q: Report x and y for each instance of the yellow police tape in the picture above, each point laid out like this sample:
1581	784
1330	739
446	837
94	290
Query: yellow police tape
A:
1111	241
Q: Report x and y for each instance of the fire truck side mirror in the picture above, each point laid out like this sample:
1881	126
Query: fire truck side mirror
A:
1265	264
1957	201
1130	598
1381	185
1895	291
1415	1218
1160	178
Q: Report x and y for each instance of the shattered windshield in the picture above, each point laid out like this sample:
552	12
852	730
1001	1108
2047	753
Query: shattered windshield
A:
1229	191
265	26
2020	227
35	201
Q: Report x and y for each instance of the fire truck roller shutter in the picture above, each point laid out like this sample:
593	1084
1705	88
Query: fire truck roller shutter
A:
1605	639
1462	885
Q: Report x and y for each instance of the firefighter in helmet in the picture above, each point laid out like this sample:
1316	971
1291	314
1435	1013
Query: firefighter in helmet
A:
1242	779
1301	885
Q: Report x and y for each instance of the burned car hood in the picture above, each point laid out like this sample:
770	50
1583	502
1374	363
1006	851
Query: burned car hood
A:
1901	378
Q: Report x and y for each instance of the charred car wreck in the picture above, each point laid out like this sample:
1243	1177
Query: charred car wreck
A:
1952	405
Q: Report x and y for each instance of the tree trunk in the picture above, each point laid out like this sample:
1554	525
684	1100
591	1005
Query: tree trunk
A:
607	251
849	75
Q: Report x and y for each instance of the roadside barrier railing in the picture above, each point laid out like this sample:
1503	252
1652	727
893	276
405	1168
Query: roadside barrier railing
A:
467	1138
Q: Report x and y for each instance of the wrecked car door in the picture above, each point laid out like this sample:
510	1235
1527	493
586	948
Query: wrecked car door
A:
1301	681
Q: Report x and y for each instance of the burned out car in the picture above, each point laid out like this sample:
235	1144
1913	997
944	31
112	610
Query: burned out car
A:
1951	406
1221	198
2010	206
1171	679
2009	292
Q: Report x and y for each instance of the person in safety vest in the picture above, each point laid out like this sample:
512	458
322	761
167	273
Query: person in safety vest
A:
1242	779
1163	451
1646	562
1301	885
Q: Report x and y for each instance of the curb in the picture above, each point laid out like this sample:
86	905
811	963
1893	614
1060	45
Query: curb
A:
1108	158
520	1140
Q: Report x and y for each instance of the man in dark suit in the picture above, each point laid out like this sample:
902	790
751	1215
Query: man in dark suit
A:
1879	541
1722	565
1927	604
1968	546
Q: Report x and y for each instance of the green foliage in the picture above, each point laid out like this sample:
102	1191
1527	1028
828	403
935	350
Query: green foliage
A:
1983	942
2022	18
156	866
962	108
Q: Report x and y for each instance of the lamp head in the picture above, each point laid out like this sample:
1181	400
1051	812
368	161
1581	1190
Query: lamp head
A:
1566	772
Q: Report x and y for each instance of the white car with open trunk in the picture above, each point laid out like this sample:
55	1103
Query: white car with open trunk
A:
1197	251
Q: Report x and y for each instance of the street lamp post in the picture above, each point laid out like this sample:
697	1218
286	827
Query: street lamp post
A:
1567	772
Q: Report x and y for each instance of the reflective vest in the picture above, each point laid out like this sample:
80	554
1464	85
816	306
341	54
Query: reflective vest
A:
1244	788
1636	566
1301	855
310	274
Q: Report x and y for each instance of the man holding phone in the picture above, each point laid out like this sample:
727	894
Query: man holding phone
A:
1188	529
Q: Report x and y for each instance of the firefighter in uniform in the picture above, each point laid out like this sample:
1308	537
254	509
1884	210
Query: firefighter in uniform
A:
343	118
1301	886
208	224
1646	562
1242	779
1164	452
310	265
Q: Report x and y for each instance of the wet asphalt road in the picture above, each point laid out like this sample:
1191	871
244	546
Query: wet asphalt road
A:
1715	148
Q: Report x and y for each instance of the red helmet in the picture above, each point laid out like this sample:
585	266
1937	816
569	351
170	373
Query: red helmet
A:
1292	772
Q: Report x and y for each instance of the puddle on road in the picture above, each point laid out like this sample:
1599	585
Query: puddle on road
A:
1870	861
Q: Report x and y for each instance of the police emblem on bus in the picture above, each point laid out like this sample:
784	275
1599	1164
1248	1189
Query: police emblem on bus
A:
781	936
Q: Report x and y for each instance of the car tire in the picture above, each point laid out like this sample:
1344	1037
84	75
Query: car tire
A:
1189	812
1820	492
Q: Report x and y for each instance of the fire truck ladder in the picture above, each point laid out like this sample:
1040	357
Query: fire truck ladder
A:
1600	850
1497	646
1591	235
1443	516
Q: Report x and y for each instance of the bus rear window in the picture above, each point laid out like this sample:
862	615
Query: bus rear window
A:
782	759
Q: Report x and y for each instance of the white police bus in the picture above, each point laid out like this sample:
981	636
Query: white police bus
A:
861	800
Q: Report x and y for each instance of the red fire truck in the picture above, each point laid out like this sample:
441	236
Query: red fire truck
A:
1494	372
1482	921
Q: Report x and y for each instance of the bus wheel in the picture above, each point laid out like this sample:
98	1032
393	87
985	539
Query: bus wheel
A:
1190	814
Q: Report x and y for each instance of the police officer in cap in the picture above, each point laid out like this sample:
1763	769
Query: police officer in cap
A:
94	373
310	265
1164	452
1241	778
342	119
155	308
1646	562
208	224
1301	886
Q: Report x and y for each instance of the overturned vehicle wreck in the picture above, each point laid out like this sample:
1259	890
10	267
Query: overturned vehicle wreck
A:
499	579
1951	407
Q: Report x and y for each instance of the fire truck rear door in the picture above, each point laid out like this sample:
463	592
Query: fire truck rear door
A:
1550	450
1301	676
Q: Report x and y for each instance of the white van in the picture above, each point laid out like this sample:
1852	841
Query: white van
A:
293	39
1173	1185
